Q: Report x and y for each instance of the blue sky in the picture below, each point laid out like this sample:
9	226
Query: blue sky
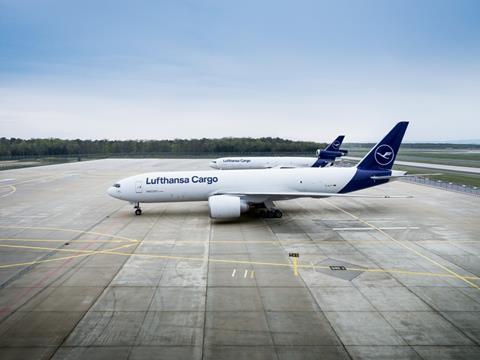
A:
294	69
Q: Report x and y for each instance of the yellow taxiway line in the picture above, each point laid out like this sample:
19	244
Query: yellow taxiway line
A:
83	253
67	230
245	242
115	251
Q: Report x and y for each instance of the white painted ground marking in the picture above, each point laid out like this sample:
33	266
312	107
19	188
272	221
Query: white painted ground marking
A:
245	274
381	228
233	272
379	219
28	216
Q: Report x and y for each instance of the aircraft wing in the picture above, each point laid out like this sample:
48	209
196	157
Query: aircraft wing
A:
296	194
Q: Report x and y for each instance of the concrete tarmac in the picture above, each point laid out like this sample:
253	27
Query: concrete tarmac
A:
82	277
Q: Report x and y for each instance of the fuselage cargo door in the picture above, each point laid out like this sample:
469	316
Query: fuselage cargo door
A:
138	187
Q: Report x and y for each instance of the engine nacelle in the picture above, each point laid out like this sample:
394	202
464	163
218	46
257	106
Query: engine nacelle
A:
226	206
331	154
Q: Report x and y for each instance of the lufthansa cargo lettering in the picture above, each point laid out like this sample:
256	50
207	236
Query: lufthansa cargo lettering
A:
236	160
195	179
204	179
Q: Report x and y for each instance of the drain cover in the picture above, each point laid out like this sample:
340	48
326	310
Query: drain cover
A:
339	269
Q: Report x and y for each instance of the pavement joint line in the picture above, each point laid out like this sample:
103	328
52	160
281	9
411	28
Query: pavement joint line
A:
374	229
39	178
206	299
52	249
107	286
453	273
36	284
68	230
62	240
50	255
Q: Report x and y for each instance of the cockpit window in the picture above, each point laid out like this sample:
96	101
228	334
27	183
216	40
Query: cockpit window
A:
116	185
214	162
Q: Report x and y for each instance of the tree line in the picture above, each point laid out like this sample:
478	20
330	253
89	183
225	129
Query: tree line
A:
59	147
14	147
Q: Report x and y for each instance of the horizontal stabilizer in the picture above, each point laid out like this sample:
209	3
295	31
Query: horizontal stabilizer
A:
393	177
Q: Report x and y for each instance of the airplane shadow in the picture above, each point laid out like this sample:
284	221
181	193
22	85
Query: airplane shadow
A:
289	211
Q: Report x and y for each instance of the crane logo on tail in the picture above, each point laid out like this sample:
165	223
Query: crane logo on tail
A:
336	144
384	154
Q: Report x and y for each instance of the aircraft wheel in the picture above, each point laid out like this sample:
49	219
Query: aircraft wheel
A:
138	212
278	214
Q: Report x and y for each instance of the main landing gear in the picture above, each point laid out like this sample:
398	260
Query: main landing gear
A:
138	211
272	213
267	210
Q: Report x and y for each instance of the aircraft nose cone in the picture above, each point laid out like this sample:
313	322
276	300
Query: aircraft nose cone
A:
213	164
111	191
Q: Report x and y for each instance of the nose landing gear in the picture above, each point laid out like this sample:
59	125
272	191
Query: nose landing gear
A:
138	211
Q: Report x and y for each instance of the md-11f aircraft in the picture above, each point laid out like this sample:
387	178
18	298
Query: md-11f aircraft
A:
231	193
325	157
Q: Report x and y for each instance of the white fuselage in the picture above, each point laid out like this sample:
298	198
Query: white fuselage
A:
262	162
200	185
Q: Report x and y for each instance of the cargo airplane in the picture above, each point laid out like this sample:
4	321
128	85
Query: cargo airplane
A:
231	193
325	157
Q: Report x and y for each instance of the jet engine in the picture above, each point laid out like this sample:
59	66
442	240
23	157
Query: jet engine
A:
226	206
331	154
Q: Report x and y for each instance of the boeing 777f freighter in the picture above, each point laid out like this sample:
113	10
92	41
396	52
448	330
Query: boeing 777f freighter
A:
231	193
325	157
